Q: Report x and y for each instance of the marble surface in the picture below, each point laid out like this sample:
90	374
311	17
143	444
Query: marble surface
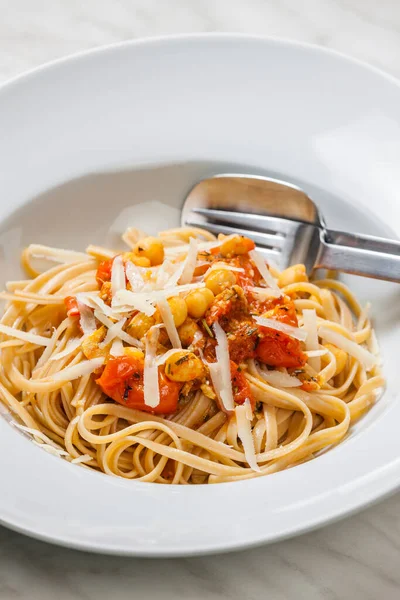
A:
357	558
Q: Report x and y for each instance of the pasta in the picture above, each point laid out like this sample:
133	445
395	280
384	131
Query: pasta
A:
186	359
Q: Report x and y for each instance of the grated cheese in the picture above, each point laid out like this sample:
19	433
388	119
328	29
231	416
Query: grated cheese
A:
362	354
134	276
245	434
121	334
265	293
86	317
294	332
72	345
117	347
222	374
150	375
259	262
168	320
83	368
118	281
189	263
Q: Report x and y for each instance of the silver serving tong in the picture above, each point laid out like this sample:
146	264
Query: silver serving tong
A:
287	226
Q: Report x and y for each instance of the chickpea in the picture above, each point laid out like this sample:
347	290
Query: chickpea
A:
187	332
339	354
151	248
139	261
134	353
236	244
219	280
294	274
198	302
178	309
184	366
139	325
90	345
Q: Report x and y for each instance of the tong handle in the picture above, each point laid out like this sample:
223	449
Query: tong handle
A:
360	255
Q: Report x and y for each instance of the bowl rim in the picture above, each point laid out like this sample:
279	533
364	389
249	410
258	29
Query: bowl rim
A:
393	482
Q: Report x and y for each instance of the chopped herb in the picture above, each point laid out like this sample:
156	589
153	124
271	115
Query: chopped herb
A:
206	327
251	331
126	393
182	359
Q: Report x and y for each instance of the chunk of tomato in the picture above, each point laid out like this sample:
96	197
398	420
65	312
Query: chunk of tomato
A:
277	349
72	306
240	386
104	271
123	381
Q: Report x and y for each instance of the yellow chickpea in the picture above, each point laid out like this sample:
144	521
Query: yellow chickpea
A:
293	274
139	325
139	261
151	248
219	280
179	310
184	366
237	244
198	302
134	353
90	345
339	354
187	332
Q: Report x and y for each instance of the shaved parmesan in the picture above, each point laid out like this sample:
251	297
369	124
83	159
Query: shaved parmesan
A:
279	378
83	368
125	300
310	326
249	410
265	293
358	352
26	336
259	262
93	300
121	334
72	345
222	383
184	248
86	317
150	376
175	276
168	320
294	332
117	275
224	266
246	436
163	357
134	276
117	348
114	331
189	264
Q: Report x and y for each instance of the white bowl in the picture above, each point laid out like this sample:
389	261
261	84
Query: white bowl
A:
86	139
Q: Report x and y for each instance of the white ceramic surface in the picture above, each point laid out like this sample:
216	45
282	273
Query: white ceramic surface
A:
142	121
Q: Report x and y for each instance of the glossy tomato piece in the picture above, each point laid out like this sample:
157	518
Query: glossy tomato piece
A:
72	306
104	271
240	386
122	380
277	349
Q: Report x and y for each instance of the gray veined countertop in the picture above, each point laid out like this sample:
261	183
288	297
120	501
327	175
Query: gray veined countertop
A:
357	558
